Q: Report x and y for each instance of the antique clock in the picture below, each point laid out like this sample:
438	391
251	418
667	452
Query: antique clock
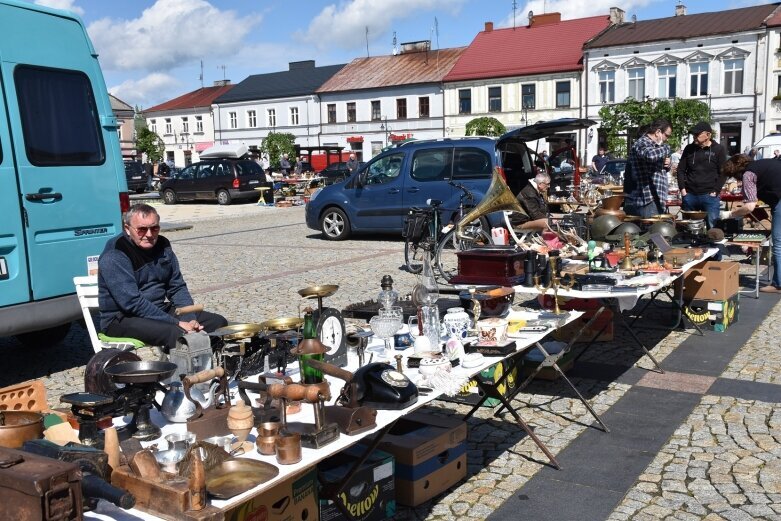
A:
329	324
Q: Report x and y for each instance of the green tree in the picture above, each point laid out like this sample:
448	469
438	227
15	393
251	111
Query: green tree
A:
486	126
621	120
277	144
149	143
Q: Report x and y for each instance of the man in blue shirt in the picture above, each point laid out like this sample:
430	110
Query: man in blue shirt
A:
140	285
645	180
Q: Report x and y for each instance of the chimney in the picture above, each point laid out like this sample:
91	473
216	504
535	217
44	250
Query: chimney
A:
489	26
680	10
616	16
419	46
544	19
305	64
221	83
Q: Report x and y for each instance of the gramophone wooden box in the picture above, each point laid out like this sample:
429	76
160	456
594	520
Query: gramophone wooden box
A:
490	265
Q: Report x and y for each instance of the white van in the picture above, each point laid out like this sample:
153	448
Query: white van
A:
62	181
767	145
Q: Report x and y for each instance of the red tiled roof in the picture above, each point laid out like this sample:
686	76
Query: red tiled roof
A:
686	26
202	97
527	50
402	69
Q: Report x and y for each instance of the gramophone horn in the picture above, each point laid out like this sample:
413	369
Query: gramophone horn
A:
497	197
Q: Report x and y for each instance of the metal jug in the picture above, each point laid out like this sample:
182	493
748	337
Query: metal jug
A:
177	408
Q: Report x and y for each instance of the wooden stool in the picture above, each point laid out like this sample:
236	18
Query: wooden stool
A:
262	199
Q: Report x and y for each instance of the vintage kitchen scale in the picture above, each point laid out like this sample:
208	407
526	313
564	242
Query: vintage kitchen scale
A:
329	324
129	389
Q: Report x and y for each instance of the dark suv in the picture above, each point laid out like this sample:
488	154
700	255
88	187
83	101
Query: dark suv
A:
225	180
380	194
136	177
336	171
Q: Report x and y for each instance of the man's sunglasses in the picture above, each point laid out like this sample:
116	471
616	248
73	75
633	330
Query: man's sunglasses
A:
143	230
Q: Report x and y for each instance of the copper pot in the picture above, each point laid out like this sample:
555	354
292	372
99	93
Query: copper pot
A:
266	445
618	213
288	448
269	429
16	427
613	202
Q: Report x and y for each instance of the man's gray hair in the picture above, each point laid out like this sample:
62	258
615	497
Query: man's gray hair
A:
542	177
140	209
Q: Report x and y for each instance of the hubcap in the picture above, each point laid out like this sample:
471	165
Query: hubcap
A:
333	224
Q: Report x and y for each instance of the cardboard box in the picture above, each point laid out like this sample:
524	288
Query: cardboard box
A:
292	500
711	280
716	315
470	393
370	495
429	453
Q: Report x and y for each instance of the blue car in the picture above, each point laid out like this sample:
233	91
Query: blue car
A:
379	195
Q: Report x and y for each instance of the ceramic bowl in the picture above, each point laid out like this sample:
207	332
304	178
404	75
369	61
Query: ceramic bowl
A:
492	331
429	366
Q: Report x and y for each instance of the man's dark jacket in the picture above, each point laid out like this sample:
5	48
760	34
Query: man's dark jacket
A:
699	170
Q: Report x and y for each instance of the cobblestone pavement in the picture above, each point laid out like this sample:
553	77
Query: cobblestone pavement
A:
248	262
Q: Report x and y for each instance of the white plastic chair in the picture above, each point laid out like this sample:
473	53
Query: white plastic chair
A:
87	292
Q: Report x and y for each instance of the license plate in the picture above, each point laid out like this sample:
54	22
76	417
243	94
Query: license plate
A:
254	182
3	269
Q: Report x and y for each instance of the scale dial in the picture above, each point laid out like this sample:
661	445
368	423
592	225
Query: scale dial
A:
333	334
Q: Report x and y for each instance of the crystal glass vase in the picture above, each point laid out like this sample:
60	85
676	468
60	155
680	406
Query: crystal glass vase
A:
386	323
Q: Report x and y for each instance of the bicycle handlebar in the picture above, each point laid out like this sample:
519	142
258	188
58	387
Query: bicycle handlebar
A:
467	194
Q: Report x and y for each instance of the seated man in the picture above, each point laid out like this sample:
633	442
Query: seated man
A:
532	200
140	285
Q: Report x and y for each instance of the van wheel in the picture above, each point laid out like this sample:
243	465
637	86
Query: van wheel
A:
44	337
334	225
223	197
169	197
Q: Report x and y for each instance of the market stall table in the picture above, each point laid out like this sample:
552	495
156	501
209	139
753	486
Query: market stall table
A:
384	421
756	248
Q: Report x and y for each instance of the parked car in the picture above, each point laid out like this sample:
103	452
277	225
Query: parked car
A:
136	177
336	171
611	173
228	177
379	195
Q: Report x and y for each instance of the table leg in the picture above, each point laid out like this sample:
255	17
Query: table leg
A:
620	317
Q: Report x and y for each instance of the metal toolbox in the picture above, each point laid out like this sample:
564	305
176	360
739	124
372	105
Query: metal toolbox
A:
34	487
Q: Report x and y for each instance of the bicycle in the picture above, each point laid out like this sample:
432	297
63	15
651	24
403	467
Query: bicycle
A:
423	228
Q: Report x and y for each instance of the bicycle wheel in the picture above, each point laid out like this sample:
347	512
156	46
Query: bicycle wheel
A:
446	260
413	256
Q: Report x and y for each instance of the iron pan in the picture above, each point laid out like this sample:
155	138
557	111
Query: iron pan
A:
234	476
140	372
237	331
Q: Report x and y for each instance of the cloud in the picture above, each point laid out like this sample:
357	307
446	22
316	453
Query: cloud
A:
571	9
169	34
344	26
147	91
66	5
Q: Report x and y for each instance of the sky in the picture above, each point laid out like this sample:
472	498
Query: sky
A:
151	50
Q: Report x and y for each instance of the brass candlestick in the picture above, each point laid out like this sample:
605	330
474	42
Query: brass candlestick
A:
555	283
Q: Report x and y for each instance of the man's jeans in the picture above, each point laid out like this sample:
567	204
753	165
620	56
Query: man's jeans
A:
703	203
776	237
649	210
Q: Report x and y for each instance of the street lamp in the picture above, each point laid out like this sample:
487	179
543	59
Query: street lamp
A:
384	126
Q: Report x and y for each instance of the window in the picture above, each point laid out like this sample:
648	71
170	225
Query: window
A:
607	86
494	99
59	117
698	78
562	94
153	125
199	124
376	116
423	107
636	87
271	117
351	112
528	96
252	119
168	126
332	112
401	108
119	132
733	76
778	88
472	163
233	121
384	170
185	125
294	115
667	79
432	165
464	101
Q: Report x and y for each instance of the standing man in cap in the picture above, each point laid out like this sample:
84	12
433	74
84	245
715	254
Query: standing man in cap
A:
699	173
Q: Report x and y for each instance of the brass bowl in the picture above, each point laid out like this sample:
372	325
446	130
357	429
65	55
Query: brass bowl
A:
632	218
16	427
613	202
325	290
282	324
664	217
694	215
